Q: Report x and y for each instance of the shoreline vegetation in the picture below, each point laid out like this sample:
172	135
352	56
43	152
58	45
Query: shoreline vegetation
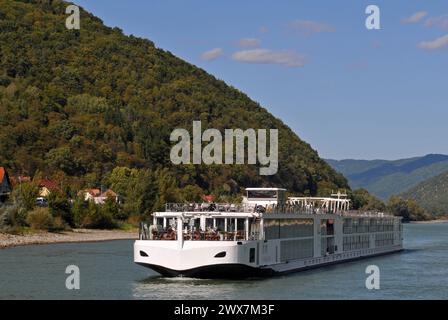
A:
8	240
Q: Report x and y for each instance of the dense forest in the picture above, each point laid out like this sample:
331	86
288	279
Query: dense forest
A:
75	104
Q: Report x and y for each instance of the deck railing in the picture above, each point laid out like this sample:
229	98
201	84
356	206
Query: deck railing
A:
152	232
272	208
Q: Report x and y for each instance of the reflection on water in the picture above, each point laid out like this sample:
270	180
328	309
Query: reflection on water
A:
189	289
108	272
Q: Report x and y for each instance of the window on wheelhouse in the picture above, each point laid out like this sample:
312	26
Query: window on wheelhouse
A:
262	194
271	195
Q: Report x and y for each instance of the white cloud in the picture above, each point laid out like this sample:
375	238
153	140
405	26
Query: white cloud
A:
438	22
415	18
265	56
438	43
249	42
212	54
308	27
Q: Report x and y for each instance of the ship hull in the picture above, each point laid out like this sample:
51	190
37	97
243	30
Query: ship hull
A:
242	271
219	271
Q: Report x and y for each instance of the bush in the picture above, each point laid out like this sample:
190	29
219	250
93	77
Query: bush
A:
12	216
112	207
4	218
79	211
97	217
58	225
25	195
134	219
40	219
59	207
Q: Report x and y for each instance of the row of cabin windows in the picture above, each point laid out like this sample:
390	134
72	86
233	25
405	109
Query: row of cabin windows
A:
356	242
366	225
288	228
384	240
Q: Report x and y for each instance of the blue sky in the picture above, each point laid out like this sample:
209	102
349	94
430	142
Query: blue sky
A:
348	91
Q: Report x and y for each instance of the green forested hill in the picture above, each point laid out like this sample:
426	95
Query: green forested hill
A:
431	194
385	178
77	104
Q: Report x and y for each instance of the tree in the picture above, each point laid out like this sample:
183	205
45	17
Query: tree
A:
79	211
408	209
363	200
59	206
62	159
111	206
25	194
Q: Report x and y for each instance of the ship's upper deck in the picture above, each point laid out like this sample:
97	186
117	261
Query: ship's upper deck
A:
260	202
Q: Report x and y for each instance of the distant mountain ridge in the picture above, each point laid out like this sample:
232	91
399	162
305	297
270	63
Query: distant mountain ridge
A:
385	178
431	194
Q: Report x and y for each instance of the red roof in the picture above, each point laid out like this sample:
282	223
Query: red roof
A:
93	192
209	198
49	184
20	179
2	173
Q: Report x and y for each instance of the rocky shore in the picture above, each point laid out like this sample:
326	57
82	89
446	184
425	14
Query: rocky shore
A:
78	235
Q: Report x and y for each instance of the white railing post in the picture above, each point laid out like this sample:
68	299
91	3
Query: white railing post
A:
180	233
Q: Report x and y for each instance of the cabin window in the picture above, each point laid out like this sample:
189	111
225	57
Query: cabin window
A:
220	224
209	223
262	194
327	227
252	255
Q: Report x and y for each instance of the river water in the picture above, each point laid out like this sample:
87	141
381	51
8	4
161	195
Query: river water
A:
108	272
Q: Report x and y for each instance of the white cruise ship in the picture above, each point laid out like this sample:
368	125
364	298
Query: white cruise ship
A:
267	234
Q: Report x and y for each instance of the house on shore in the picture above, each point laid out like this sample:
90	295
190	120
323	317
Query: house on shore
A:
99	197
46	186
17	180
5	185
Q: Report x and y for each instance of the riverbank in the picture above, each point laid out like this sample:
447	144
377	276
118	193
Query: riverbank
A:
430	221
77	235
